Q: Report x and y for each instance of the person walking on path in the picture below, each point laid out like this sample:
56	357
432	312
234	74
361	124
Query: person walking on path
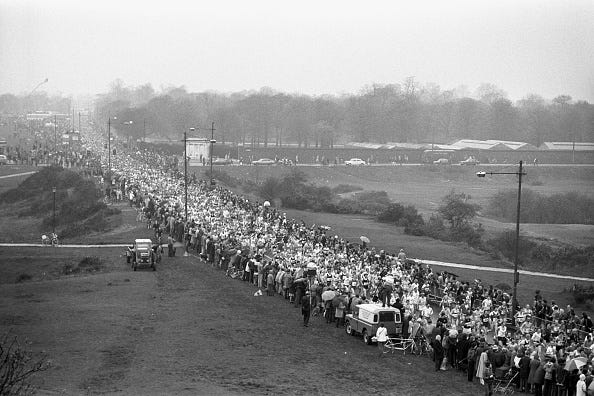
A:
382	336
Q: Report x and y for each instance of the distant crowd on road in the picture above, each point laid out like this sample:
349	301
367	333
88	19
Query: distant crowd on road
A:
256	243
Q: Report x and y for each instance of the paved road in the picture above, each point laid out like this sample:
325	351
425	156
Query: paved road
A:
17	175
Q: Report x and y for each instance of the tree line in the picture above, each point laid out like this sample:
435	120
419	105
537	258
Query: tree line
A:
379	113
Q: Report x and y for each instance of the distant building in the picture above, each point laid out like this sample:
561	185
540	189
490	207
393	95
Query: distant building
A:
567	146
198	150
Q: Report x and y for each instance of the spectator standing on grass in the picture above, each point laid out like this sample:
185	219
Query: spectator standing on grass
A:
581	388
306	308
438	353
382	336
270	283
488	378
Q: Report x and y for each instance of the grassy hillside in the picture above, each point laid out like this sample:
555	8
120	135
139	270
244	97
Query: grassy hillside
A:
78	204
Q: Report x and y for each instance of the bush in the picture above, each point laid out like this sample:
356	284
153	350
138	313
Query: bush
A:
564	208
404	216
90	264
17	366
23	277
582	294
346	188
471	234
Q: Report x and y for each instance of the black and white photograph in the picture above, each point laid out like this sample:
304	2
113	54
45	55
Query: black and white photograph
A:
260	197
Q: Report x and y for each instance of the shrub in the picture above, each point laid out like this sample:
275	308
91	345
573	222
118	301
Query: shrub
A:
582	294
23	277
346	188
17	366
471	234
405	216
563	208
90	264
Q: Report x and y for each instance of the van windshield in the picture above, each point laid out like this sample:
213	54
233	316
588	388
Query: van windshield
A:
386	317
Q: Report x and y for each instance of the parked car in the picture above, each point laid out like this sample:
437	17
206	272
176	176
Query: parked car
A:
221	161
470	161
366	320
354	162
143	253
441	161
3	159
263	161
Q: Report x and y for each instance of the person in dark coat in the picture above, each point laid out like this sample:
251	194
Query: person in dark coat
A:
438	352
405	325
539	379
524	372
462	351
471	357
305	308
534	363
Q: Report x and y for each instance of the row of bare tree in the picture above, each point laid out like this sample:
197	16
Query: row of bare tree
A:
407	112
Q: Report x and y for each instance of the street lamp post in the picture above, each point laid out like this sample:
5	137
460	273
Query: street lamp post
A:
519	173
54	222
212	141
109	145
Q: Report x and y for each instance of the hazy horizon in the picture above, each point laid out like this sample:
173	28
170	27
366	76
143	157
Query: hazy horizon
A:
313	48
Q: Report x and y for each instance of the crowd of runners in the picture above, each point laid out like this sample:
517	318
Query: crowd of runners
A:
466	322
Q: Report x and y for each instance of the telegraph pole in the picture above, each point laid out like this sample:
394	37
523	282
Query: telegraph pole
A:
109	147
55	135
519	173
212	141
186	174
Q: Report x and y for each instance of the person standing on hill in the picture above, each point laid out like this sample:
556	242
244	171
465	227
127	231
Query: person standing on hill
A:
382	336
306	308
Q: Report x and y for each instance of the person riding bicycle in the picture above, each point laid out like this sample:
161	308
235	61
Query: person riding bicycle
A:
54	238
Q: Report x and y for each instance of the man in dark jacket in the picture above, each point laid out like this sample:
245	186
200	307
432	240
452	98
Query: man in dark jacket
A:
306	308
438	352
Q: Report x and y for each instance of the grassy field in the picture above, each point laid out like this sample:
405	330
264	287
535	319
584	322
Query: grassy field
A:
424	187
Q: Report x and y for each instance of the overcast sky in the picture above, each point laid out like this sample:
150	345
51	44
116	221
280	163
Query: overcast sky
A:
312	47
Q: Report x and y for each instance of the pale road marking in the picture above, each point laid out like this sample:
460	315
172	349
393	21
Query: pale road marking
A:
432	262
18	174
506	270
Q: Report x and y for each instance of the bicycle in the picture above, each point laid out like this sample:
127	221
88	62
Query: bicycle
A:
400	344
422	346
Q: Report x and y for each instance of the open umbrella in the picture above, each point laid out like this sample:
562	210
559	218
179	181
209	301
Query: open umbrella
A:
575	364
363	238
328	295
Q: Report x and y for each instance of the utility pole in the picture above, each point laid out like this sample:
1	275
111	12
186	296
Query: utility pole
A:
517	247
55	135
144	130
212	141
519	173
186	173
54	222
109	148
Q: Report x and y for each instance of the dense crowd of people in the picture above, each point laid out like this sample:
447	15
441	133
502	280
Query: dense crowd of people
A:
466	322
